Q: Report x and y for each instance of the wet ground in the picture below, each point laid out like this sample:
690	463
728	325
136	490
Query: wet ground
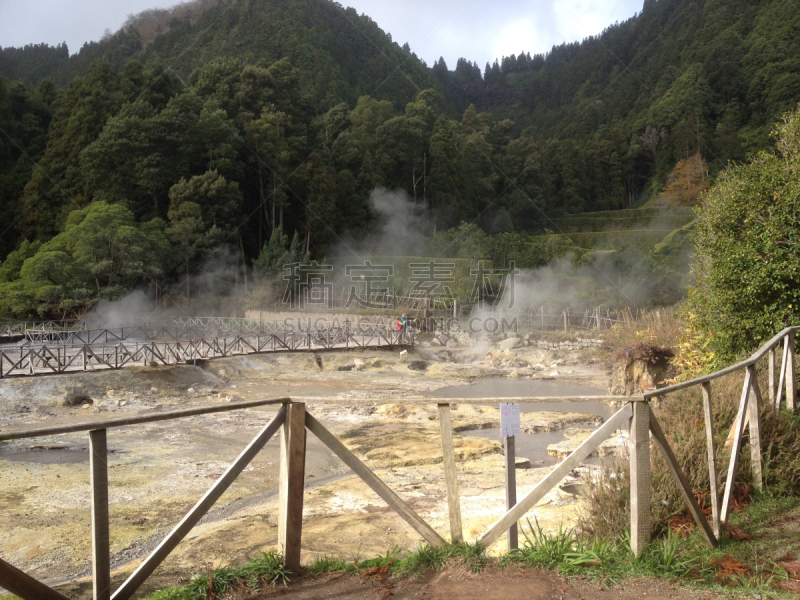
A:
157	471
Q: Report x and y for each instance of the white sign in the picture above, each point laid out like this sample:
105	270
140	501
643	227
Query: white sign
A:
509	419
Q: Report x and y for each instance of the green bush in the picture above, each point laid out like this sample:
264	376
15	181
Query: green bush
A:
682	419
747	248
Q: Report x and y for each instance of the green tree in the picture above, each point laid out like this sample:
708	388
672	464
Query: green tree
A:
219	200
101	253
747	248
276	253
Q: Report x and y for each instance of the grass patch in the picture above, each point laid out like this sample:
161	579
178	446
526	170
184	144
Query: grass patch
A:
427	558
734	567
266	569
269	569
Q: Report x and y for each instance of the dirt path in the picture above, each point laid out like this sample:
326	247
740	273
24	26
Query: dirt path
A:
456	582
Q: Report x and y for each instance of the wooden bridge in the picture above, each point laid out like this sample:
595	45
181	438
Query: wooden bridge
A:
15	330
89	350
293	421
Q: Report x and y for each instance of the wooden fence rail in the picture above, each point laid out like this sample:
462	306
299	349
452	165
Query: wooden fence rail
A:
293	420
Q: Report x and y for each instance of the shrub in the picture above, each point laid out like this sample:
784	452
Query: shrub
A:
682	419
654	327
747	248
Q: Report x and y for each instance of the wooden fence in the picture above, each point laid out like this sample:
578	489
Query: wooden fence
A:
18	329
48	360
781	386
292	421
549	318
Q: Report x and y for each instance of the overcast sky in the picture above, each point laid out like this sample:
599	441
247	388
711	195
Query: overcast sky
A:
479	30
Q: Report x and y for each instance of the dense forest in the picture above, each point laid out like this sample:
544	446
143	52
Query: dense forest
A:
218	124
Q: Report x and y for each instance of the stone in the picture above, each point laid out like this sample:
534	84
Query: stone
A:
436	342
575	437
461	371
642	368
72	399
522	463
418	365
511	334
510	343
451	344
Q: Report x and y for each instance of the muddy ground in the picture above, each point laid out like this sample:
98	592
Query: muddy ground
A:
492	583
158	471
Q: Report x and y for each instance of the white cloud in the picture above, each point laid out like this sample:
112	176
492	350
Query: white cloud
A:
517	36
579	19
479	30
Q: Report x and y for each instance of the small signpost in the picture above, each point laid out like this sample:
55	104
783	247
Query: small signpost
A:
509	428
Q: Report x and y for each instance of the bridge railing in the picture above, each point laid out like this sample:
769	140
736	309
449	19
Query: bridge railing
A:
11	329
186	332
55	359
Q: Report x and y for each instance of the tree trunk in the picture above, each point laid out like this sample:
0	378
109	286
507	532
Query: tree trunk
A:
244	263
274	192
263	206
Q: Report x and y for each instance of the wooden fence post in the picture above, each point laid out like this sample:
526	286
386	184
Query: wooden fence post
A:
101	553
754	409
713	477
791	383
511	488
290	492
772	382
639	447
736	444
450	474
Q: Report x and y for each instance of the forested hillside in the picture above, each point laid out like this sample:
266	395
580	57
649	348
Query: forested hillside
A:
681	76
215	124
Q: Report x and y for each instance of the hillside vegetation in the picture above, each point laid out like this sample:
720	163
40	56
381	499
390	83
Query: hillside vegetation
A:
216	123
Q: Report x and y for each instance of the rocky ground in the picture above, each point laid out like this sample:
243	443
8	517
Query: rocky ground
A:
157	471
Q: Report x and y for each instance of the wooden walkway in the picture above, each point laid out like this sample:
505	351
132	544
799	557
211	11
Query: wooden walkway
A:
68	358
